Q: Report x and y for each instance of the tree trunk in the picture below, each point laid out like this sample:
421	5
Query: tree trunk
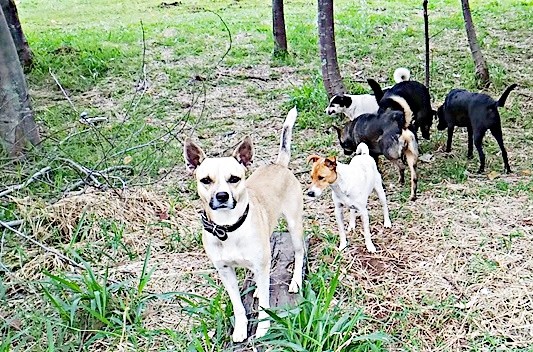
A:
278	28
482	71
328	52
12	18
16	116
426	39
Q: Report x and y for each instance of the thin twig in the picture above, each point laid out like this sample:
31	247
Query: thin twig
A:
13	223
46	248
62	90
13	188
88	172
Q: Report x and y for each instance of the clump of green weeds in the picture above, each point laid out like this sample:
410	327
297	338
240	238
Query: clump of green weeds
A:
319	323
97	305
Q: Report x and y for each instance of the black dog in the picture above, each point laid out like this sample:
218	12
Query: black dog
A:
386	135
415	95
478	113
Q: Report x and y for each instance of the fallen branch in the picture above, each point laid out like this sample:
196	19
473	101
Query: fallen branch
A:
46	248
13	188
62	89
13	223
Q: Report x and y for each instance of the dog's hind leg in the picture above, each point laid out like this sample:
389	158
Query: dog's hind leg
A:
497	133
478	142
411	161
378	186
229	279
366	230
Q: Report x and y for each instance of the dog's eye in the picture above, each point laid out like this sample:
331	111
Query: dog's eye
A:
206	180
320	178
234	179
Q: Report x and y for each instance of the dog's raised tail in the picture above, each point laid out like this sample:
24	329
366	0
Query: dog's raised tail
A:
401	74
503	98
362	149
284	155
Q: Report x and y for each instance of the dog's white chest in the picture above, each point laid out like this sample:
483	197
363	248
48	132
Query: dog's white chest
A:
238	250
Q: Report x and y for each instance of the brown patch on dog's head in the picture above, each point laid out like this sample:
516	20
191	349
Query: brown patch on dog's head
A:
323	173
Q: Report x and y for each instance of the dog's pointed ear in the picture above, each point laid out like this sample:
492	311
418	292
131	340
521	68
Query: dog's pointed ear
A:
331	162
312	158
244	152
193	155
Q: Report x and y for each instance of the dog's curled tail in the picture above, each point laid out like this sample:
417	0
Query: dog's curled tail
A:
401	74
407	112
284	155
503	98
362	149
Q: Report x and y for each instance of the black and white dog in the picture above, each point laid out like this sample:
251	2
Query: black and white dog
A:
355	105
412	93
385	134
477	112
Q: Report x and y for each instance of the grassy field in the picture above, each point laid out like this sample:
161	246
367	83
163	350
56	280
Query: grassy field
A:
455	272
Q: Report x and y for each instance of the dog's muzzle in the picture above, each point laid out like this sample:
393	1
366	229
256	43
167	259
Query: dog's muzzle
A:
222	200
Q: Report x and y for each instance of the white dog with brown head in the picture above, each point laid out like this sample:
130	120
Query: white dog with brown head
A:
351	185
240	214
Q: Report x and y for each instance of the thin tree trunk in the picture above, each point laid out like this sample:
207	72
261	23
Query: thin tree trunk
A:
16	116
482	71
328	52
426	37
278	28
23	48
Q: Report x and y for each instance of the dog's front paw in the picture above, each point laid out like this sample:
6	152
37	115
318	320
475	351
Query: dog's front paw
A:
370	247
262	328
241	332
387	224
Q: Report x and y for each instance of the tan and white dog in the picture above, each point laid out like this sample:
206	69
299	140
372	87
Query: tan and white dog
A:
351	185
239	216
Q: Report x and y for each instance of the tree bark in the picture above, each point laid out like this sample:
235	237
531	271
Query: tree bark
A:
278	28
426	39
328	52
23	48
482	71
16	116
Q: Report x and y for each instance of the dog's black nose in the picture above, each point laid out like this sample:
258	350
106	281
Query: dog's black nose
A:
311	193
222	196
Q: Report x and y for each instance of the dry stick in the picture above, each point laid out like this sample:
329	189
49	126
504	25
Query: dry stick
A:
72	104
13	223
88	172
426	37
62	90
25	183
46	248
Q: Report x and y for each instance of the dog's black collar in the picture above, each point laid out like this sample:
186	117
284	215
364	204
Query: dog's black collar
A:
221	231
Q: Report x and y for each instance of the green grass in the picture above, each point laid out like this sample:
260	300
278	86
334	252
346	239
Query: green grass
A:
95	49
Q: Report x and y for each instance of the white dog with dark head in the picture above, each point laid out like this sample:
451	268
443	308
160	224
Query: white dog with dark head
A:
240	214
355	105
